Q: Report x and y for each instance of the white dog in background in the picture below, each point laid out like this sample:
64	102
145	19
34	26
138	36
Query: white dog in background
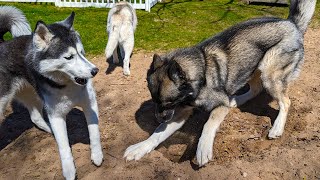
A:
122	22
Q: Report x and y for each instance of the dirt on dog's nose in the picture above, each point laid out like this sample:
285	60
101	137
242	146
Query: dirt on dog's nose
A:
94	71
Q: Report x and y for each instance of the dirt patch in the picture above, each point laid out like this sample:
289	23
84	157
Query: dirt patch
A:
241	149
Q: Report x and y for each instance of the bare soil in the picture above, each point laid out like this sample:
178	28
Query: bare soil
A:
241	148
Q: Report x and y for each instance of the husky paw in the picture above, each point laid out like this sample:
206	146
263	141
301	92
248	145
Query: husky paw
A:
126	72
275	132
137	151
69	170
97	158
204	151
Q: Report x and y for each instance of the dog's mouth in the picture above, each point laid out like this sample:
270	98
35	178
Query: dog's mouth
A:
164	115
81	81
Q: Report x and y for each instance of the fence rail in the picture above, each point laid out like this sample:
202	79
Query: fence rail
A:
137	4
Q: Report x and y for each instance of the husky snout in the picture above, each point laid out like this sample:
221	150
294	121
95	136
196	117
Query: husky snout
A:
83	81
85	71
94	71
164	115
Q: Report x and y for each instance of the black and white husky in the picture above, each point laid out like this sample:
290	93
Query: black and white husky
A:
267	53
46	70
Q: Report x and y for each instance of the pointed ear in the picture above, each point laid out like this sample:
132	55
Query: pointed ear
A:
68	23
175	72
42	36
157	61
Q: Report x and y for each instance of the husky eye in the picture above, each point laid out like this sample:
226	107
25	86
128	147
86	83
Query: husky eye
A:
69	57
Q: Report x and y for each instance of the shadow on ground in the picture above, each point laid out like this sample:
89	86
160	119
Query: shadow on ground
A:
18	122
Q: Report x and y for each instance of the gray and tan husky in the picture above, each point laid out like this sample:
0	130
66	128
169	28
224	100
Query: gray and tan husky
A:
121	24
46	70
265	53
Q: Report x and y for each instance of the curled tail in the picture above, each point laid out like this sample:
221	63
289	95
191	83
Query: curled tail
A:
14	21
301	12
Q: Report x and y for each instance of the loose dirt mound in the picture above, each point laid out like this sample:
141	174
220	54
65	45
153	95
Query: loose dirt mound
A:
241	149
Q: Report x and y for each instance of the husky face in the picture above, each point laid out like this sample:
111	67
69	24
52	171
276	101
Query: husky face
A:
60	53
169	87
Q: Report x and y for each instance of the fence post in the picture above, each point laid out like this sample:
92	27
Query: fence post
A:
147	3
57	3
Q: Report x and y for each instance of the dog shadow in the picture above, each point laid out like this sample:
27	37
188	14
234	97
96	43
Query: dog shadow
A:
18	122
77	127
14	125
112	66
193	127
259	106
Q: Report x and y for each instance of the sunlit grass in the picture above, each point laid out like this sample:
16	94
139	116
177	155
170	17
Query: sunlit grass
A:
169	25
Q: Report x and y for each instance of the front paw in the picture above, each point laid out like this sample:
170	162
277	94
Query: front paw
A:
97	158
137	151
126	72
204	151
275	132
69	170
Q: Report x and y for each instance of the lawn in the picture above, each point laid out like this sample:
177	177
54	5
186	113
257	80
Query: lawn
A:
169	25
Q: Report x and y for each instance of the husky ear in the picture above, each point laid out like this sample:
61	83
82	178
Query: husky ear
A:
42	36
175	72
68	23
157	61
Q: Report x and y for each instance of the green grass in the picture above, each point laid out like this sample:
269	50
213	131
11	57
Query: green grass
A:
169	25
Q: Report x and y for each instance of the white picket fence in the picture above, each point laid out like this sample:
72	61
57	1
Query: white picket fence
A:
137	4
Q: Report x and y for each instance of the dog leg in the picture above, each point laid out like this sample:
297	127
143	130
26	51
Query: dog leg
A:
32	102
205	144
7	93
115	56
128	48
137	151
162	132
277	88
91	112
278	126
276	77
59	129
121	52
4	100
112	44
255	84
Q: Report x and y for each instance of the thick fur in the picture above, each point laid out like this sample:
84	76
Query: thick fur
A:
13	20
122	22
265	53
47	71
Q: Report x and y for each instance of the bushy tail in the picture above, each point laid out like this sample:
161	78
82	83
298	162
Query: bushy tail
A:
301	12
14	21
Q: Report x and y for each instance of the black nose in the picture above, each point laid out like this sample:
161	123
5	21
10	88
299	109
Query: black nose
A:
94	71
